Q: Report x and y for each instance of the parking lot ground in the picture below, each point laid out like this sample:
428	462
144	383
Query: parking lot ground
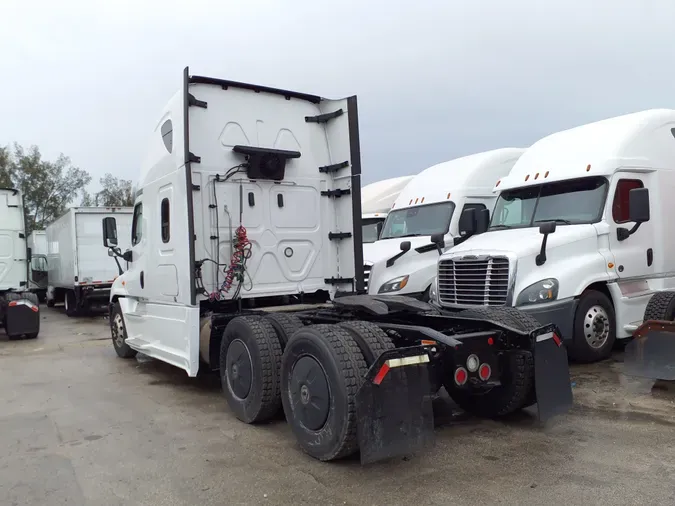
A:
79	426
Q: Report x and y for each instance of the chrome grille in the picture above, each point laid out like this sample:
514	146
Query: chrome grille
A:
366	275
476	281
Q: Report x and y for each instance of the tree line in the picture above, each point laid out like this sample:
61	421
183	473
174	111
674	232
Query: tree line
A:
50	187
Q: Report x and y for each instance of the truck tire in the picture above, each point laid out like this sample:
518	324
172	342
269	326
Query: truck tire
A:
371	339
250	360
516	393
661	306
322	413
118	332
31	297
284	325
50	302
594	328
519	320
70	302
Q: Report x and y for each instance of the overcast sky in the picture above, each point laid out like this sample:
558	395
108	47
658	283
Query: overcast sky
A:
435	79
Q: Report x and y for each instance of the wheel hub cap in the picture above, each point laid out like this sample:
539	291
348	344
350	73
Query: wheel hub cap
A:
309	393
118	330
596	326
239	369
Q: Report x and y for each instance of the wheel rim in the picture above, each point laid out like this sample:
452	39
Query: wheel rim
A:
309	393
118	330
239	368
596	326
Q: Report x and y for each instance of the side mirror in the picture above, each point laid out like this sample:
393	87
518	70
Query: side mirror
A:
405	246
547	227
109	232
126	256
638	205
482	221
29	254
111	253
438	240
467	223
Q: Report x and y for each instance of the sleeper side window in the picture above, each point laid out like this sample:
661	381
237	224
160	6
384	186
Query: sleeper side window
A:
166	223
137	226
620	203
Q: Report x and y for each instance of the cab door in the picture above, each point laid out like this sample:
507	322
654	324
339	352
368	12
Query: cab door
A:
634	255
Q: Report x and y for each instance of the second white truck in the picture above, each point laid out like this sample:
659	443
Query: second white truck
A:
403	260
80	271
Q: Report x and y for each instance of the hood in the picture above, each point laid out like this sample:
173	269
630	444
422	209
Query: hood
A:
525	241
386	248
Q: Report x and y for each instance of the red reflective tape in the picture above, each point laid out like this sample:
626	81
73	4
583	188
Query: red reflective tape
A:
12	304
557	339
379	377
35	309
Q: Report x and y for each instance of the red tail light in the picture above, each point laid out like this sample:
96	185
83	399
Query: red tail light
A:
484	372
461	376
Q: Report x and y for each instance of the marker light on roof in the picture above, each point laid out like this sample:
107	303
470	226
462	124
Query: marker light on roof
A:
527	177
546	175
588	168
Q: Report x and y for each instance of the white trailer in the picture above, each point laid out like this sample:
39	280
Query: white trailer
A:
37	281
246	258
376	201
80	271
19	309
403	261
580	233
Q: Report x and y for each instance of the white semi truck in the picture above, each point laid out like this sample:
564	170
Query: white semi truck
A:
19	308
376	201
37	281
579	235
80	273
403	261
250	195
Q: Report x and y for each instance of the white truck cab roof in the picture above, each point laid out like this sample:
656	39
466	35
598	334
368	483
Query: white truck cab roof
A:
377	198
597	149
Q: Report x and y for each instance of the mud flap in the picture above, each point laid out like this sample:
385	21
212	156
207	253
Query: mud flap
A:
393	406
652	353
551	374
23	317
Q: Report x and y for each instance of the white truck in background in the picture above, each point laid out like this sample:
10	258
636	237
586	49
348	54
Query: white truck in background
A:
37	281
403	261
19	309
80	272
580	233
376	201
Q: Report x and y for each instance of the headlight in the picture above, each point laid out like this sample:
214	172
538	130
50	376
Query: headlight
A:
433	291
545	290
394	285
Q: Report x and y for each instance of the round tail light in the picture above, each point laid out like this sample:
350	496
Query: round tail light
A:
472	363
461	376
484	372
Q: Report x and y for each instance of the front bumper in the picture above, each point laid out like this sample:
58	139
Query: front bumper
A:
560	313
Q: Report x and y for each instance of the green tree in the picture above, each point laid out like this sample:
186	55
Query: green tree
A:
5	168
115	192
48	187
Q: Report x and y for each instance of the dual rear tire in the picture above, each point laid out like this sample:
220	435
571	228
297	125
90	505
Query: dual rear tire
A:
274	362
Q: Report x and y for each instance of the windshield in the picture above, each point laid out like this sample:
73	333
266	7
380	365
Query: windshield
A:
566	202
420	220
370	229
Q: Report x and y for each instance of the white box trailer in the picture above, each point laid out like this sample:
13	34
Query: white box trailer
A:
80	271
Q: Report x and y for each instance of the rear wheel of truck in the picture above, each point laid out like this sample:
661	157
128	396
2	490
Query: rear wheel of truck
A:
322	370
594	328
118	332
70	303
371	339
250	359
661	307
284	325
517	390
